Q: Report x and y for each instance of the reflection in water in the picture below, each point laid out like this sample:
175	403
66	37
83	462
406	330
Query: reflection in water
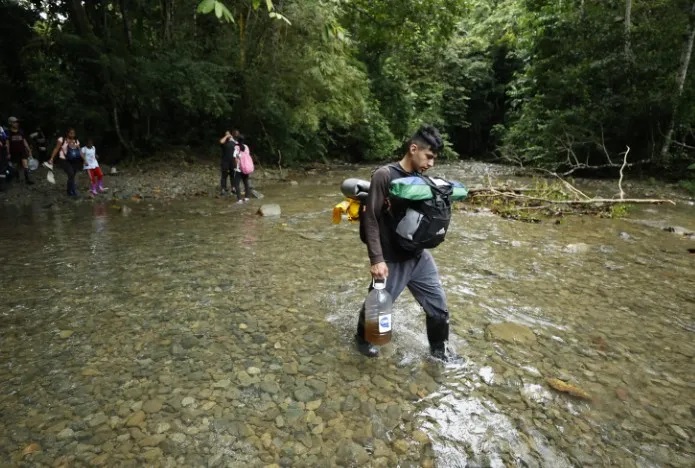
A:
195	333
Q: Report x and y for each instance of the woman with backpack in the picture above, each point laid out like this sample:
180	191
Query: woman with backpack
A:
67	149
244	168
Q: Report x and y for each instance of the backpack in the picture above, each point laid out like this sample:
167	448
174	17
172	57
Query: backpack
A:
71	153
245	161
419	209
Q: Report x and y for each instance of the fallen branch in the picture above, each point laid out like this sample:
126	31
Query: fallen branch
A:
497	193
620	181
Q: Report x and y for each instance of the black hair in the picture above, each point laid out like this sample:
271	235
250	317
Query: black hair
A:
240	142
427	137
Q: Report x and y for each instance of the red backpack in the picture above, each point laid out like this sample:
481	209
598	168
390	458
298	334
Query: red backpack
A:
245	161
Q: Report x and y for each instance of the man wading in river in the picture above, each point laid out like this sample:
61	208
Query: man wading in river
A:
414	269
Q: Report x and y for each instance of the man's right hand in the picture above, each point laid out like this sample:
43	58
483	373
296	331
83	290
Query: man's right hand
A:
379	270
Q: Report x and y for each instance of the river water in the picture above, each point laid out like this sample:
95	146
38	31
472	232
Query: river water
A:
196	333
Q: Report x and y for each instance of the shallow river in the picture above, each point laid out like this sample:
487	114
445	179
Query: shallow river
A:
196	333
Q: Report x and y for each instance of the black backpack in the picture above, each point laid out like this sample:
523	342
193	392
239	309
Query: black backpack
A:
418	224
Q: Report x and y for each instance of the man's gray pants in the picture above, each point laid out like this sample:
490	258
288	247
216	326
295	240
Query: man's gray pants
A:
421	277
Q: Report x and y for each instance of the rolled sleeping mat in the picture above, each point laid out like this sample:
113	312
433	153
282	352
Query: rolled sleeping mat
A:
356	189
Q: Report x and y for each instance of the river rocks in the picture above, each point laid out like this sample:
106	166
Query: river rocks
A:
221	384
97	420
66	433
136	419
270	209
303	394
253	371
152	406
349	453
576	248
680	231
679	432
269	387
510	332
162	427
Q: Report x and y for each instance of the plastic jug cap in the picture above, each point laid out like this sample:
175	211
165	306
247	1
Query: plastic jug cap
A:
378	283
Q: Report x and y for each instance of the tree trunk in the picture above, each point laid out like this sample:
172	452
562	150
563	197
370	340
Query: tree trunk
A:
126	24
628	27
686	54
81	20
168	10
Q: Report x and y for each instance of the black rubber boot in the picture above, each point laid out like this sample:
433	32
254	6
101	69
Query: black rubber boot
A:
438	335
364	346
27	179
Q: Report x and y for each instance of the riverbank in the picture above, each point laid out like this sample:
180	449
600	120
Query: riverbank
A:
185	177
149	180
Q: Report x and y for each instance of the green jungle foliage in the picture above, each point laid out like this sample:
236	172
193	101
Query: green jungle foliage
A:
555	84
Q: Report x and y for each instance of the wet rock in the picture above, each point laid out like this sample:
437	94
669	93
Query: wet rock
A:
381	382
622	393
294	414
125	210
151	441
66	433
152	454
97	420
381	449
271	209
318	386
189	341
349	454
136	419
313	405
187	401
680	231
680	432
162	427
576	248
421	437
64	334
253	371
624	235
303	394
220	384
152	406
401	446
290	368
510	332
269	387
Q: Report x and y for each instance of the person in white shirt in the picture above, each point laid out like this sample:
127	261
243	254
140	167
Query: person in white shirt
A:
96	177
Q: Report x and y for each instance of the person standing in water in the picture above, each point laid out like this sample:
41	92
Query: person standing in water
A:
18	148
241	150
227	164
415	270
96	177
67	149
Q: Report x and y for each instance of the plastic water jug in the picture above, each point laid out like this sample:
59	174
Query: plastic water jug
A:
377	314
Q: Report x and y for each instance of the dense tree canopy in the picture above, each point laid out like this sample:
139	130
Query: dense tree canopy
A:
538	82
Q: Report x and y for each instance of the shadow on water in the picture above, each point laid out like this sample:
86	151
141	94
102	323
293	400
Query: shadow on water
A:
197	333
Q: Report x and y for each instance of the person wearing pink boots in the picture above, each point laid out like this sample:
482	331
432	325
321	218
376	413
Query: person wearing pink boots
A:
96	177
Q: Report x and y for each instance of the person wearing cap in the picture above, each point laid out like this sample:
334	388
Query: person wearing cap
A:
18	149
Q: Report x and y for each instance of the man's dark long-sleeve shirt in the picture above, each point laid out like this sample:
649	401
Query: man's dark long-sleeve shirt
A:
382	245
